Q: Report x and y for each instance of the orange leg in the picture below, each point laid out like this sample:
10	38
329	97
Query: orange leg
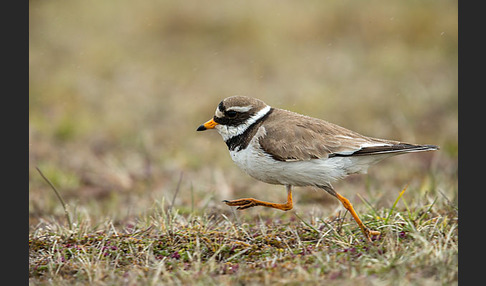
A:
249	202
366	231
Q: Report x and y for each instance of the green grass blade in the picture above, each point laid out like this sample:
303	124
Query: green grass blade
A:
395	204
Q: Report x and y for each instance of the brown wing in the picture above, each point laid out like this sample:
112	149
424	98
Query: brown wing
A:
294	137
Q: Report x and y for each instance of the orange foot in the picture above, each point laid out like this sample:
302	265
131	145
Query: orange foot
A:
249	202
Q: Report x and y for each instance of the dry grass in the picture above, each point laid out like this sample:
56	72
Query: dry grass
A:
117	91
167	246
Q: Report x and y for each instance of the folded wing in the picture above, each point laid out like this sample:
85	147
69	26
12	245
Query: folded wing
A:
302	138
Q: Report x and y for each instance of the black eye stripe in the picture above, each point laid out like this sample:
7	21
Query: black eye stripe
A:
230	113
239	119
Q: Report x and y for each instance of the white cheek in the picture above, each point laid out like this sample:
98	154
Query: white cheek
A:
228	132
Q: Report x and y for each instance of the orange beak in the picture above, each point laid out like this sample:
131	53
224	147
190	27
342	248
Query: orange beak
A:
208	125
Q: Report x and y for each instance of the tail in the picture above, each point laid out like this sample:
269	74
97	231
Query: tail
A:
369	155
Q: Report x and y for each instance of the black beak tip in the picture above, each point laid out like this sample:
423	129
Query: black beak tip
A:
201	128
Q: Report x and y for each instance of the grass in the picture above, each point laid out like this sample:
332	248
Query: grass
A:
117	91
167	245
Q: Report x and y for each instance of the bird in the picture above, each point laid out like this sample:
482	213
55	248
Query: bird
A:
281	147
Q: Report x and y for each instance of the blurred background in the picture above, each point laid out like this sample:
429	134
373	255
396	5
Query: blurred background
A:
118	88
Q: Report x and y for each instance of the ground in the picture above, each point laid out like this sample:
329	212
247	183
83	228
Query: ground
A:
116	93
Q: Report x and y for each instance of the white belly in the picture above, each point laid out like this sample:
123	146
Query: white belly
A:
262	167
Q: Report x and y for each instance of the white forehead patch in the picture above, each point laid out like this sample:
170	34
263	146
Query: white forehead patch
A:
218	113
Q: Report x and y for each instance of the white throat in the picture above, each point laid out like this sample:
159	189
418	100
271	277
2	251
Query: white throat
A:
228	132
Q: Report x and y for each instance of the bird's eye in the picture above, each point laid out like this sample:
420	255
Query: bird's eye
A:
231	113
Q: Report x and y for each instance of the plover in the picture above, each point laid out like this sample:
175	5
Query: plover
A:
277	146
